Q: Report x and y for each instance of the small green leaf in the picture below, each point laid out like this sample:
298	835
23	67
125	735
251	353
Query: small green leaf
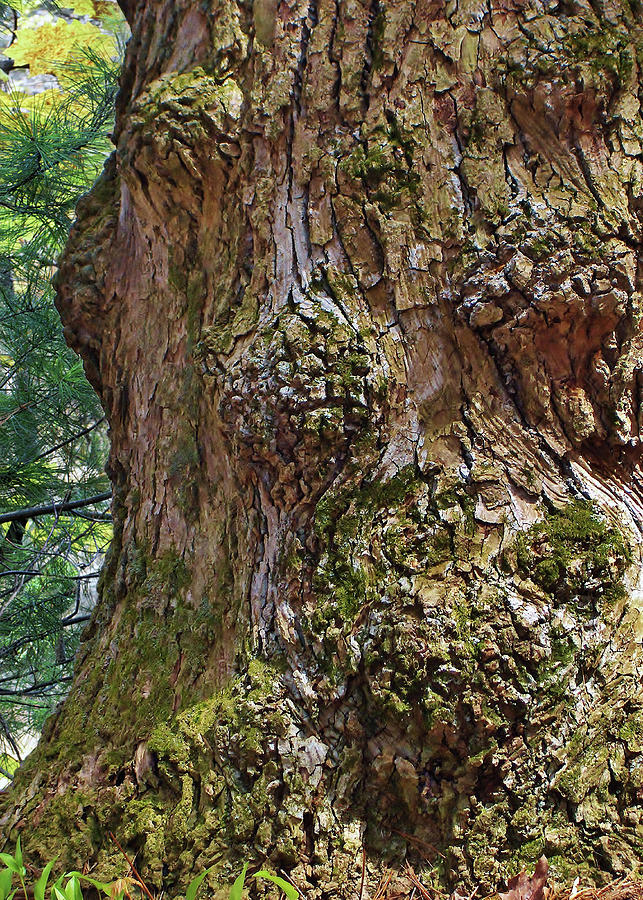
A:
73	890
41	884
102	886
289	889
6	878
10	863
57	894
18	854
236	890
195	884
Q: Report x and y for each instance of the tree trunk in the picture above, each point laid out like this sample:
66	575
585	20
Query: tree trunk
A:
360	292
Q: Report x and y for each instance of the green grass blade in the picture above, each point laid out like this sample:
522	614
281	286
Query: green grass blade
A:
289	890
195	884
236	891
40	885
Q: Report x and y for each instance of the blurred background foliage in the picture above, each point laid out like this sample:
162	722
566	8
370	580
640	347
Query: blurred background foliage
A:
59	70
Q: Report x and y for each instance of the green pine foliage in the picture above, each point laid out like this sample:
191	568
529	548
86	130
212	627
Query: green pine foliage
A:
54	496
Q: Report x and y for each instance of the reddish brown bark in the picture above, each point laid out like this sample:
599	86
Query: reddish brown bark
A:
360	291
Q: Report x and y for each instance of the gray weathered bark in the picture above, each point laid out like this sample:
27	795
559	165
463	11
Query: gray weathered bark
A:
360	291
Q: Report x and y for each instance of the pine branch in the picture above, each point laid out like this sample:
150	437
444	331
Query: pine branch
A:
36	574
49	437
53	508
34	688
70	440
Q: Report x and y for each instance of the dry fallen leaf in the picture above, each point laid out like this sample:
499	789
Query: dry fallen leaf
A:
523	887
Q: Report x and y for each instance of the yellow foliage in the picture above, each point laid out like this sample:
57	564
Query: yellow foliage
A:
8	763
45	100
47	49
83	8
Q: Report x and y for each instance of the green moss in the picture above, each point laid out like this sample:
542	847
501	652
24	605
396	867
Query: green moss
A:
575	552
587	762
65	807
343	286
395	490
488	833
384	165
224	745
347	584
464	620
527	856
342	583
606	49
145	822
563	650
165	577
459	496
167	744
185	94
631	732
598	52
540	245
185	457
183	470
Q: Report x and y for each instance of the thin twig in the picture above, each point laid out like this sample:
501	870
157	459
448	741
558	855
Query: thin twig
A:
361	887
18	409
383	885
285	875
418	841
144	887
70	440
416	881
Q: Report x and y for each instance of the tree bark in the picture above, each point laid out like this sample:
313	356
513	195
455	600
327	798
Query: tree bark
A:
360	292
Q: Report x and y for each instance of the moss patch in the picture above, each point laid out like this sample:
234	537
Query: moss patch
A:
575	553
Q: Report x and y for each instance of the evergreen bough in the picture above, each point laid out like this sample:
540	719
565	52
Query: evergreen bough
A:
54	496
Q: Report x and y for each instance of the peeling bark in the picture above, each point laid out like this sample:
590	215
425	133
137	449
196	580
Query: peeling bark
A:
360	290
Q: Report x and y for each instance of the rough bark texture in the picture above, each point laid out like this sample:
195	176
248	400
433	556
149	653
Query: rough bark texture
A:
360	291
